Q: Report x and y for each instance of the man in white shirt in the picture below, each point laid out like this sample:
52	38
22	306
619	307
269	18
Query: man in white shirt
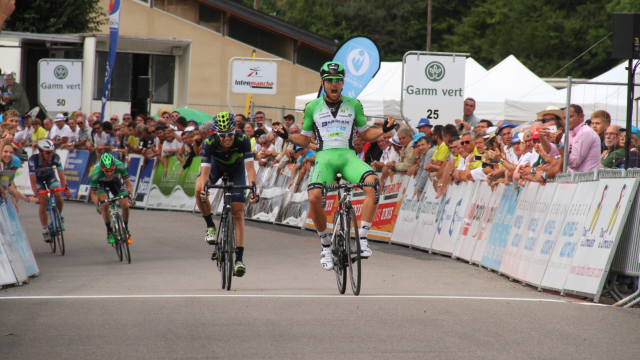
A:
358	146
24	135
260	122
61	132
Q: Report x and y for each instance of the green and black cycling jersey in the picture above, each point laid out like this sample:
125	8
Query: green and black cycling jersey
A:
100	182
240	152
335	124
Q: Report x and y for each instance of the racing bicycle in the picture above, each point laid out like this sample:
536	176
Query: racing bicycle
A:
226	246
56	228
119	230
344	248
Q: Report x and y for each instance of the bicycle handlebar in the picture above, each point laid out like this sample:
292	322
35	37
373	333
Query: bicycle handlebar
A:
252	188
113	199
326	189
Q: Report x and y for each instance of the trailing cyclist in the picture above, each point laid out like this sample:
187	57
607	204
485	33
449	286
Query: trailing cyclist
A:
226	151
111	175
42	173
335	119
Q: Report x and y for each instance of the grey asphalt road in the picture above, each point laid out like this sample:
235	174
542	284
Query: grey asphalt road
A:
168	303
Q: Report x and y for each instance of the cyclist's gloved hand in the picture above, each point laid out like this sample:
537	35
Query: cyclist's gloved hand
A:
389	124
278	130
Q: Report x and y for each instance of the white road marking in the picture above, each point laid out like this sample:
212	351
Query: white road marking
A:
275	296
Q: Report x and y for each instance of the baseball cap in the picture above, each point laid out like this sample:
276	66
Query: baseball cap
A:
634	130
418	136
534	135
516	138
505	125
424	122
60	117
395	141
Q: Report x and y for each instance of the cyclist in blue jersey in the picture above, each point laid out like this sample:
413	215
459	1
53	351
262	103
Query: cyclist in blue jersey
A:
226	151
42	170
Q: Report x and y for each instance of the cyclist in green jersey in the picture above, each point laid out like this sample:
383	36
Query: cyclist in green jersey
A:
335	119
105	178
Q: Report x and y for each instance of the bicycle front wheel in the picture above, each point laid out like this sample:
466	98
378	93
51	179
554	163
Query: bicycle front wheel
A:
122	238
230	248
116	231
52	230
222	254
338	244
353	249
59	231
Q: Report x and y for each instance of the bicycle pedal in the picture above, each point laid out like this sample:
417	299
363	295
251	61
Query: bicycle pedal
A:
214	257
364	258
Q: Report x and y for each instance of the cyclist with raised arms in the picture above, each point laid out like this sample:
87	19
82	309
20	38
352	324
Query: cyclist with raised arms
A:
111	175
334	119
42	171
226	151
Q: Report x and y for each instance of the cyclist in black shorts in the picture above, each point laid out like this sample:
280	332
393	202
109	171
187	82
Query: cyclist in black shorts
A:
105	178
226	151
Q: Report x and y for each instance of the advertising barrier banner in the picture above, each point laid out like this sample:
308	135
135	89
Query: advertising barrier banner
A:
456	202
21	181
164	184
428	215
135	163
598	243
495	242
565	247
549	233
85	183
75	170
408	216
273	195
505	228
472	223
144	184
388	208
487	223
183	197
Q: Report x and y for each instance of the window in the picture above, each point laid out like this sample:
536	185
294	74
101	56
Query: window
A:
260	38
163	78
210	18
120	78
311	58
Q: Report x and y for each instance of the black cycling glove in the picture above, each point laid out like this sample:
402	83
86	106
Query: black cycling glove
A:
283	134
386	128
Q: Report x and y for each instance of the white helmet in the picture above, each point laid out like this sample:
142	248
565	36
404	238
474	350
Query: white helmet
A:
46	145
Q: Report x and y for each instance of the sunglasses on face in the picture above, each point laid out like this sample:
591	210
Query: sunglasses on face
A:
545	120
226	135
175	115
334	80
465	142
49	152
114	119
109	171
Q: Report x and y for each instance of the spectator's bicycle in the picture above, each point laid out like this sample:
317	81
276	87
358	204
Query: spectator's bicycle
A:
345	249
226	246
56	228
119	230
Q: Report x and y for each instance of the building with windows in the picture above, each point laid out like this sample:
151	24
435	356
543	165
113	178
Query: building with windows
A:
183	47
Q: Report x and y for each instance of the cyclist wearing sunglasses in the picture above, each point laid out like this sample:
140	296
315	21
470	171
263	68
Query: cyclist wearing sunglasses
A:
42	171
109	175
226	151
335	119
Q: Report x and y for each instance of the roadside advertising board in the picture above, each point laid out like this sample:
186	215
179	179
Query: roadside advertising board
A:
254	76
487	223
75	170
495	242
428	215
60	85
433	87
455	207
408	216
472	222
388	208
598	243
163	185
567	242
549	233
144	184
135	163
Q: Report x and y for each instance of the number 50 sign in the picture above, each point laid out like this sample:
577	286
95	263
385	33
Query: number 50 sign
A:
432	87
60	84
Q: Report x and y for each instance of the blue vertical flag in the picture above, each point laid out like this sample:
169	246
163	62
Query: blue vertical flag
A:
361	60
114	30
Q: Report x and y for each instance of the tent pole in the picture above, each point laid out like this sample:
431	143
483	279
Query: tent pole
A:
565	163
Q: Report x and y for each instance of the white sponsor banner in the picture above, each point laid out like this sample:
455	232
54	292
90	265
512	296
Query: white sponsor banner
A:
515	242
408	216
254	76
456	202
60	84
428	215
531	235
550	231
22	180
600	236
487	223
565	247
433	88
472	223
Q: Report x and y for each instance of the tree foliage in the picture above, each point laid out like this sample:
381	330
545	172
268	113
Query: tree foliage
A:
544	34
57	17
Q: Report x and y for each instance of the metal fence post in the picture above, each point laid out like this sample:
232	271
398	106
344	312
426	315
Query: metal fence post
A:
565	163
282	115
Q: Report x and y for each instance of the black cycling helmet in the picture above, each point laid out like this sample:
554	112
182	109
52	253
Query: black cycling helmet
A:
332	69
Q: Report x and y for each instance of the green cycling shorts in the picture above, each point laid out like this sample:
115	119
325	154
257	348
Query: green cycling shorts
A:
333	161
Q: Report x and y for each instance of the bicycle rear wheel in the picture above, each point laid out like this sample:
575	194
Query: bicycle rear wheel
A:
59	231
338	244
123	236
230	248
52	231
222	256
116	231
353	249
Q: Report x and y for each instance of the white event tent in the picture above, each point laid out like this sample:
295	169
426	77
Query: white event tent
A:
381	97
611	98
508	79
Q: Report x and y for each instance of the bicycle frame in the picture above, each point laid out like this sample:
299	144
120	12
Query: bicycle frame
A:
51	203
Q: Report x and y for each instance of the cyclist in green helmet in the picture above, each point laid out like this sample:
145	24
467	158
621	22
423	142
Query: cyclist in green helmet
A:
111	175
226	151
335	119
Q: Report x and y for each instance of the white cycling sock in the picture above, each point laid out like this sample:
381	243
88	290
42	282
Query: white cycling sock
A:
324	238
364	229
45	229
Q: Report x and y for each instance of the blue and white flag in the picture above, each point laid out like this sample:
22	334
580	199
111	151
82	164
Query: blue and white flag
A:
361	60
114	30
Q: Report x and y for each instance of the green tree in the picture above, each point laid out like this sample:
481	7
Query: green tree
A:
57	17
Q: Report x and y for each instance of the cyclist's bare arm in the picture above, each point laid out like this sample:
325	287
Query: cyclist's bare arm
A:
129	185
34	186
251	175
63	179
372	134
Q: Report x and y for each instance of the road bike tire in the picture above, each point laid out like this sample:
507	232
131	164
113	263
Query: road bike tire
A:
59	231
229	263
52	231
338	248
124	245
222	243
354	250
116	230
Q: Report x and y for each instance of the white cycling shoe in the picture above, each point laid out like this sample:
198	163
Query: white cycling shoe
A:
365	250
326	259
